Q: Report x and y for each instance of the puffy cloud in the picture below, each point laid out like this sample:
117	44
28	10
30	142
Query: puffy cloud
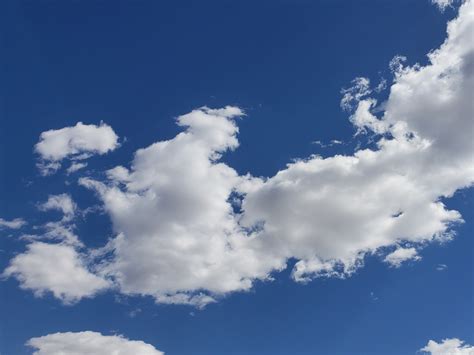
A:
189	228
400	255
77	143
177	231
16	223
452	346
90	343
329	213
54	268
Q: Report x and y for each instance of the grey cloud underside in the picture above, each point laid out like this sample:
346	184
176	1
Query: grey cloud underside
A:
180	240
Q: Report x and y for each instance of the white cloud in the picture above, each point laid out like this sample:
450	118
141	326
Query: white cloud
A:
77	142
75	167
54	268
62	230
90	343
443	4
56	231
329	213
63	203
16	223
190	229
177	232
452	346
400	255
360	88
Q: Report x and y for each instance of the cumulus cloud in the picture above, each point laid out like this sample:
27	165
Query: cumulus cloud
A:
190	229
329	213
16	223
452	346
77	143
90	343
54	268
173	216
400	255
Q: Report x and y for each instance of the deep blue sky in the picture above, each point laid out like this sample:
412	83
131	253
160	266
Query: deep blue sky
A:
138	64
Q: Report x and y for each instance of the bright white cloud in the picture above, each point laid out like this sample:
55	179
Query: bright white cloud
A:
189	228
452	346
16	223
400	255
54	268
443	4
77	143
177	231
90	343
329	213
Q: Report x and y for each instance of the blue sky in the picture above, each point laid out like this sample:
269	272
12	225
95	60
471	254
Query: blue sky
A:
300	270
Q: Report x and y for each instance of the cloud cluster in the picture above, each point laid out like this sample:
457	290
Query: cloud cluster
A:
452	346
54	268
76	143
90	343
190	229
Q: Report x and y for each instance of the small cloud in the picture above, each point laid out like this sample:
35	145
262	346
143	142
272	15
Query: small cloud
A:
134	312
75	167
448	346
16	223
441	267
400	255
63	203
443	4
76	143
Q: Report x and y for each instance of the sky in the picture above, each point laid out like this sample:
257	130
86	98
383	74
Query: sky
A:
242	178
